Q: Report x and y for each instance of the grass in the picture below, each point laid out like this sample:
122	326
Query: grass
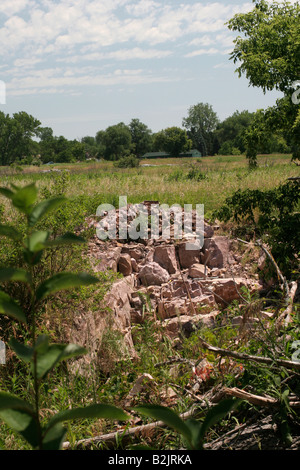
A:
165	180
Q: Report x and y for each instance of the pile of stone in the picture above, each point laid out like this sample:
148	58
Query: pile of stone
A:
179	287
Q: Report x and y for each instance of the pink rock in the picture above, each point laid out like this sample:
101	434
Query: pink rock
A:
188	257
153	274
165	256
217	252
125	266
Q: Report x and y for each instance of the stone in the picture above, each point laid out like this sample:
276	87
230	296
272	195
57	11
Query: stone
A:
225	290
188	257
185	325
153	274
135	251
105	257
217	252
165	256
125	266
180	297
89	328
198	271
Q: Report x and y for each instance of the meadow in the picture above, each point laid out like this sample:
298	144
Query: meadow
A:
207	181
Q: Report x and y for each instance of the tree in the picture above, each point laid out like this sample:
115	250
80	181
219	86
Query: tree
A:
116	141
91	147
268	55
16	134
141	137
200	124
172	140
230	132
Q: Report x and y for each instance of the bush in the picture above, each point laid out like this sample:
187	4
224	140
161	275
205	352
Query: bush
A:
273	217
130	161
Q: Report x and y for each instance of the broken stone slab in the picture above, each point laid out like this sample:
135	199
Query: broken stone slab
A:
225	290
216	252
198	270
90	329
136	251
125	265
186	325
105	257
165	256
153	274
188	253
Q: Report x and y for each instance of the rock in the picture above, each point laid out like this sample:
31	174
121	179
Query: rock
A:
165	256
208	231
217	252
125	266
225	290
105	257
186	325
135	251
135	266
188	257
90	329
197	271
176	300
153	274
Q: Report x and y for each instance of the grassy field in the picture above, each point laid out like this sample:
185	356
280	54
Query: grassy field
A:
171	181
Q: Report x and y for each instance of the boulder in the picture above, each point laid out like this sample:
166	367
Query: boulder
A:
198	271
125	266
217	252
188	253
225	290
104	257
153	274
165	256
90	329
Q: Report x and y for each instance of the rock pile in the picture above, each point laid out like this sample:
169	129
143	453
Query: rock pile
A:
181	288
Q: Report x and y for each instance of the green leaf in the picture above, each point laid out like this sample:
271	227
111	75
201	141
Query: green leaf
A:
12	274
10	232
22	350
43	208
24	198
19	415
90	412
63	281
66	239
218	412
195	428
53	440
36	241
7	192
49	357
10	308
168	416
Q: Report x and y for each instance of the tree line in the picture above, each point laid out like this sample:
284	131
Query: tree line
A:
24	141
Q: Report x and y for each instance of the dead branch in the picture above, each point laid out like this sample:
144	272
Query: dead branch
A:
257	399
286	317
247	357
109	440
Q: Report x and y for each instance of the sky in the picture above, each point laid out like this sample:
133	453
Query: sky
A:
79	66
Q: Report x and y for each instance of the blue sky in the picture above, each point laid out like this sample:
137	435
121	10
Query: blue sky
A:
82	65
